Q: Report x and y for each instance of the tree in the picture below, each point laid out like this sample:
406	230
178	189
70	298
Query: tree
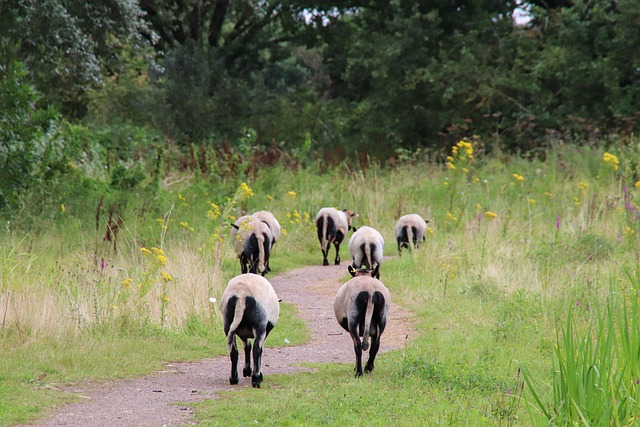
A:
69	45
232	65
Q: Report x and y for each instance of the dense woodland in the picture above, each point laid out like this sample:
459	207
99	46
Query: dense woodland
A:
225	85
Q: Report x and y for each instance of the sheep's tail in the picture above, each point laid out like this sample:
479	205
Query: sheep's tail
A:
324	239
368	260
262	257
237	318
367	323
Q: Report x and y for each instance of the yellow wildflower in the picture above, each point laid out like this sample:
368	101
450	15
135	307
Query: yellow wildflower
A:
292	194
165	299
490	215
451	166
582	186
429	230
532	202
214	212
518	177
166	276
548	194
246	190
185	224
126	282
145	251
451	218
465	170
62	208
160	221
611	159
637	184
269	197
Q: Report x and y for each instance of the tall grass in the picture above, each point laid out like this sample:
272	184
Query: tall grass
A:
595	366
513	243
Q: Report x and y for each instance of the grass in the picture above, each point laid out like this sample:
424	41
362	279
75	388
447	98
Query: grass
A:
517	251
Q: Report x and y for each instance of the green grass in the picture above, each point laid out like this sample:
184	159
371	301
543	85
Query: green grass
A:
492	296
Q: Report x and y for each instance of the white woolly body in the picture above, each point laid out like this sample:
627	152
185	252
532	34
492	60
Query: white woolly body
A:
268	218
248	320
366	247
411	222
248	226
251	285
350	316
342	220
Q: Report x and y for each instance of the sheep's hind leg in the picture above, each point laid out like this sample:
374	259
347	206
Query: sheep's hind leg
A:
357	347
233	353
256	378
373	351
246	371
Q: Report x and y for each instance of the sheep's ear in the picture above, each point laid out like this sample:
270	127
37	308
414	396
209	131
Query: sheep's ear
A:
427	220
352	270
234	226
353	228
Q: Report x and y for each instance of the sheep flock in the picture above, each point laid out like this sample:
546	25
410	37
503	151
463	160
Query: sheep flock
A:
250	307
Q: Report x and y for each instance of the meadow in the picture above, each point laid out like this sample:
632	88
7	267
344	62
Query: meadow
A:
525	290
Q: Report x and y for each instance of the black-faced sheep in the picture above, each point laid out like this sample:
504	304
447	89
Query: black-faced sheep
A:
410	230
362	307
332	226
250	310
252	242
366	247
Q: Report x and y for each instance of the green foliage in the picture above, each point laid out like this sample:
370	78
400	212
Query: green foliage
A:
69	45
596	364
28	147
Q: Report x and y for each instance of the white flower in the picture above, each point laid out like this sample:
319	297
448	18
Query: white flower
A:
286	341
212	300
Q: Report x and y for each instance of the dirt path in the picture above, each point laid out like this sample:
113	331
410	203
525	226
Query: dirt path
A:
150	400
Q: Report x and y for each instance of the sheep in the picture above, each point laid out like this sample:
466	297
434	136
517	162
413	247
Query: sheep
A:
361	307
252	242
410	229
250	310
271	221
366	247
333	226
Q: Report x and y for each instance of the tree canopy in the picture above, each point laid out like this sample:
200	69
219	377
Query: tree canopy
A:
369	76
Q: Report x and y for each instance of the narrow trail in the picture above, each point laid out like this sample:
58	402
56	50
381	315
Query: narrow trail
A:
151	400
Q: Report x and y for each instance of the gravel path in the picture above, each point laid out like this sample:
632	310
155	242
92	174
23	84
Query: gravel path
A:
150	400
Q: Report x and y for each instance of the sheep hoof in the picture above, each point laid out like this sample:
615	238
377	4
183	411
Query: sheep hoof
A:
358	374
256	380
233	380
246	372
368	368
325	262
